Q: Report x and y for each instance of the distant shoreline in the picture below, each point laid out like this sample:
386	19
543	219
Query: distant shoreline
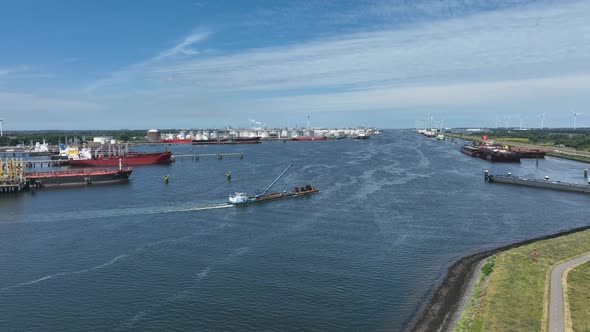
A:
445	304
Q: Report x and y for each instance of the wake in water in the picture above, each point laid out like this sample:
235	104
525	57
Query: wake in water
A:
61	274
119	212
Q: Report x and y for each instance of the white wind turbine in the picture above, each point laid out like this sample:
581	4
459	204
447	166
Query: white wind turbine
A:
542	117
575	115
1	125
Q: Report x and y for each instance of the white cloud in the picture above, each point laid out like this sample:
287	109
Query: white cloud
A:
541	41
184	46
444	96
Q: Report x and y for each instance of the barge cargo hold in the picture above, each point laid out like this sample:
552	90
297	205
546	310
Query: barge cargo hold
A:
470	150
538	183
77	177
496	154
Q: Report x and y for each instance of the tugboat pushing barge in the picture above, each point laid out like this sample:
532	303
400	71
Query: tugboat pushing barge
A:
240	199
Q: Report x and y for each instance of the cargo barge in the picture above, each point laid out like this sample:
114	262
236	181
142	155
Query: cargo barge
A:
309	138
490	153
77	177
544	183
237	140
470	150
241	199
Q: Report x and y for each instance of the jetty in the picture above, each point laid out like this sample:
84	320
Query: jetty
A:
544	183
196	157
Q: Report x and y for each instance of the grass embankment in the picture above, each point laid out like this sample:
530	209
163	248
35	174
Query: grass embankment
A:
578	289
512	296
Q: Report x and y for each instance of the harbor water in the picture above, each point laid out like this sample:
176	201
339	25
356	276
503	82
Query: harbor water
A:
364	254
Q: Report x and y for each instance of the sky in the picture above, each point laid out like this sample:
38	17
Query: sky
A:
210	64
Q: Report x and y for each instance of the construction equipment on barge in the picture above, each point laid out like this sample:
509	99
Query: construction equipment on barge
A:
544	183
12	176
239	199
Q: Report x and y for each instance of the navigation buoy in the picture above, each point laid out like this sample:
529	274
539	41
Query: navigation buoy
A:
228	175
166	178
585	173
486	175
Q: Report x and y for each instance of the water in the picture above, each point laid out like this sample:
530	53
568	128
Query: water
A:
364	254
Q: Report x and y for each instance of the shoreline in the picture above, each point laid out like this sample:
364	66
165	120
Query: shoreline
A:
445	304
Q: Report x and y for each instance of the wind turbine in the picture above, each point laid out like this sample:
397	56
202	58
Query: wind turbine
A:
1	124
575	116
542	117
506	118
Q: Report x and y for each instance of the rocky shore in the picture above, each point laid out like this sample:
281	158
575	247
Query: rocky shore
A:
441	313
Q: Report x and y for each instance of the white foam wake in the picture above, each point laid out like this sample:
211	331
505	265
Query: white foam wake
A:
61	274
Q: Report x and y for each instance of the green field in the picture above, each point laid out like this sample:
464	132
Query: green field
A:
578	289
512	297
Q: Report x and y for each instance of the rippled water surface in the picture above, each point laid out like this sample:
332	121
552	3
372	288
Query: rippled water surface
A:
364	254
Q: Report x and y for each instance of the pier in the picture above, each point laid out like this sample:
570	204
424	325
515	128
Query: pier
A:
537	183
196	157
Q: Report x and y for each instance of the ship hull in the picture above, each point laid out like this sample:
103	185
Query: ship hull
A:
177	140
308	138
77	178
473	152
130	159
499	156
276	196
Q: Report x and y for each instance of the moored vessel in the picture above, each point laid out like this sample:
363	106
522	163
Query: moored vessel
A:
470	150
226	140
114	157
77	177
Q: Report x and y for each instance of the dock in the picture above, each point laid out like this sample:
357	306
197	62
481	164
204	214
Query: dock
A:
544	183
196	157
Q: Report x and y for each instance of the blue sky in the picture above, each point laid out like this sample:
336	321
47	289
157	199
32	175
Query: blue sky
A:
386	63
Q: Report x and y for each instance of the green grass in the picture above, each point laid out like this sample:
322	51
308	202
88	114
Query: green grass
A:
570	156
513	297
578	289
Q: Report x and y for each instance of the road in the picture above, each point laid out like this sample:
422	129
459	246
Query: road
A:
556	305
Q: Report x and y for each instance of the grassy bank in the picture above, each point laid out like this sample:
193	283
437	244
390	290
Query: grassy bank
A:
512	296
578	289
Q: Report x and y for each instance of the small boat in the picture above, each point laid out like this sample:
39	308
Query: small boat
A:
239	199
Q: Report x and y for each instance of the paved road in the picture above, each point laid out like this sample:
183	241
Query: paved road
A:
556	314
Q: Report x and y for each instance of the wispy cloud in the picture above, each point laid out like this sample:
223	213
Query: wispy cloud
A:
184	47
13	70
135	72
493	46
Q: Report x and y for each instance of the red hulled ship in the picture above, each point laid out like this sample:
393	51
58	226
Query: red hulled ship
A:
117	157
